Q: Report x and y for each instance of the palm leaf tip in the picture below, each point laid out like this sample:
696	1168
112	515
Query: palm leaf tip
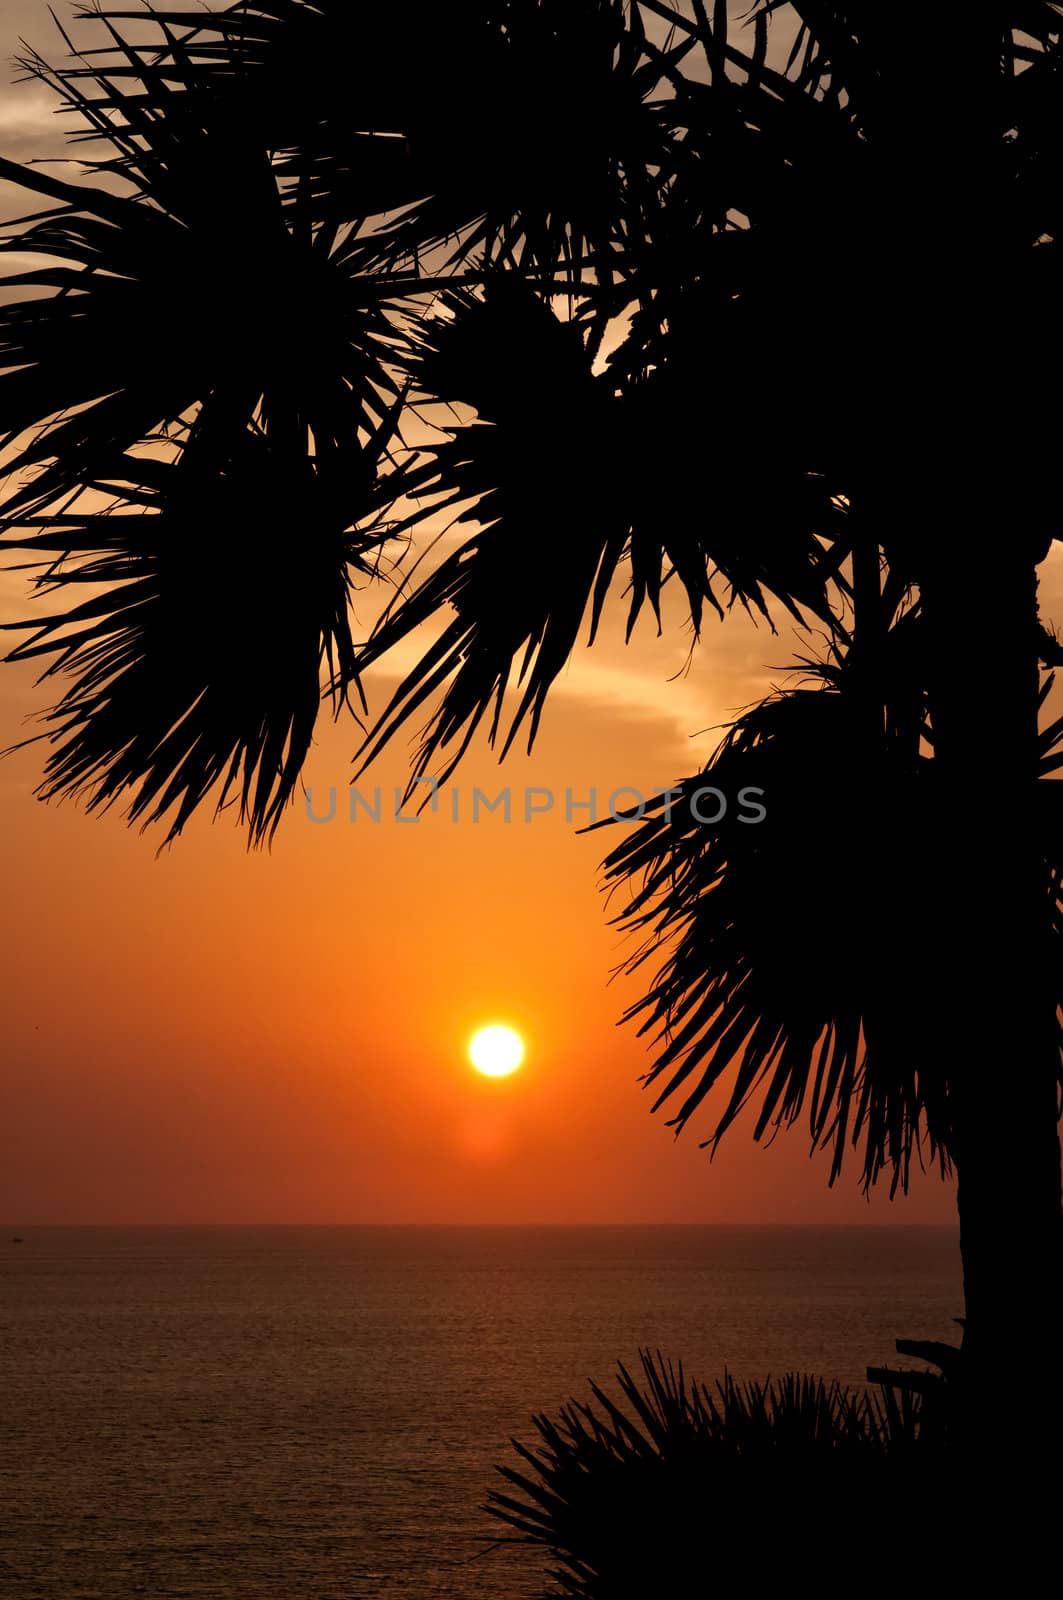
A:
224	593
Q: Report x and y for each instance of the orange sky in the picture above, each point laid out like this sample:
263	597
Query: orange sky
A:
215	1035
218	1035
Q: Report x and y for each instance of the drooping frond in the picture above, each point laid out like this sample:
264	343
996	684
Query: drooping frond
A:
789	889
207	600
537	472
790	897
571	481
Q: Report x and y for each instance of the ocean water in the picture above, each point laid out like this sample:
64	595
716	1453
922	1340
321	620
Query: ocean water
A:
315	1413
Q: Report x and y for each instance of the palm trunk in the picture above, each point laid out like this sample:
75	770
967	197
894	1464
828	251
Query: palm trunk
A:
995	999
991	1011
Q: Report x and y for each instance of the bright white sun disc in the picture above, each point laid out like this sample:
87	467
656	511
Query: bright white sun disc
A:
496	1051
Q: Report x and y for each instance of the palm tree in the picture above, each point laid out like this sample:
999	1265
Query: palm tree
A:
309	219
802	957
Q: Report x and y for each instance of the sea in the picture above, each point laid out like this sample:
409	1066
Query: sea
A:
318	1413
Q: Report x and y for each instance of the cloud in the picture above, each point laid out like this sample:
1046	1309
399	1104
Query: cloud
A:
26	109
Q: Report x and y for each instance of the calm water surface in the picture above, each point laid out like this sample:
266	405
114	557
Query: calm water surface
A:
314	1413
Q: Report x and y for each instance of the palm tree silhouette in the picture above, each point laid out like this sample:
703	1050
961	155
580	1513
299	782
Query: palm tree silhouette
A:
772	331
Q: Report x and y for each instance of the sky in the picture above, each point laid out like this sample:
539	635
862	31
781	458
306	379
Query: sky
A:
209	1034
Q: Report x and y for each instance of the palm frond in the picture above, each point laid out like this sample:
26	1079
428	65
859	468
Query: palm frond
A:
536	471
219	592
196	302
788	937
529	130
565	473
623	1497
554	149
798	932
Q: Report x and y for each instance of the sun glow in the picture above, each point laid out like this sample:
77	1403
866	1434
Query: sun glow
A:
496	1051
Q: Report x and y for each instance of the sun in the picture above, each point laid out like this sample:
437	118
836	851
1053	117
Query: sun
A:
496	1051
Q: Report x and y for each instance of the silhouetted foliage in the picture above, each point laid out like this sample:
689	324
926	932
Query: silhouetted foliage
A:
774	331
199	664
788	992
669	1490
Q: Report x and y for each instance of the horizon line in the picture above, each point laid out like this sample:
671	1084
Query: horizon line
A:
13	1227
